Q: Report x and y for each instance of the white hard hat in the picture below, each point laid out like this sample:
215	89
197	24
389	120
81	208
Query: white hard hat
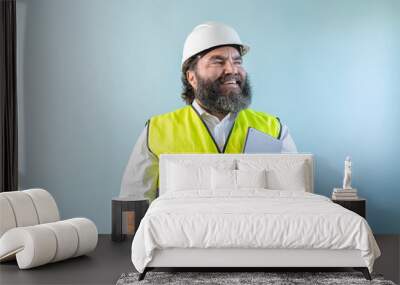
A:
208	35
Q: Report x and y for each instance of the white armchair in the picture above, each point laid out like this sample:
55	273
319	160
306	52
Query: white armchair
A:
31	230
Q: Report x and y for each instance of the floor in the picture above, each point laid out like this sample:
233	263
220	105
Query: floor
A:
110	260
102	266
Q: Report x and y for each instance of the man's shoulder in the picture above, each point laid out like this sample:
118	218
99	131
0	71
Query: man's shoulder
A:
261	114
172	113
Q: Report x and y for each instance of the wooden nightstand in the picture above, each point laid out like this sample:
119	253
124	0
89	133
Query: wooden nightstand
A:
126	216
357	206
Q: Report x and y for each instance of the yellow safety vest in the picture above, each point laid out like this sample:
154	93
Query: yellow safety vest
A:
183	131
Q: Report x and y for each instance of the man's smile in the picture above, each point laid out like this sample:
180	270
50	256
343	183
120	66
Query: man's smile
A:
230	82
230	85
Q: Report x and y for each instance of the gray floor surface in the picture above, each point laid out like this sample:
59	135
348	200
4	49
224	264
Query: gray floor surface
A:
102	266
111	259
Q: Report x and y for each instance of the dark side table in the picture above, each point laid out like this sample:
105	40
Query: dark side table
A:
358	206
126	216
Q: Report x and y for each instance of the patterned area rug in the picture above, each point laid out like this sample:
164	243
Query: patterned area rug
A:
270	278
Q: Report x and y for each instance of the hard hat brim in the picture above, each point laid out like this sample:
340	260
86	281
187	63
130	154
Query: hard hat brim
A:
244	49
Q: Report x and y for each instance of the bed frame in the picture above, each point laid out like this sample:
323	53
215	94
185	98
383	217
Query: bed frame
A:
242	259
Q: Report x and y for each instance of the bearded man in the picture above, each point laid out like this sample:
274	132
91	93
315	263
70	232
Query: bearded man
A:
216	119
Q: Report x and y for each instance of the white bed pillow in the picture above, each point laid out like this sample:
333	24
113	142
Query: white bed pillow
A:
281	174
223	179
182	177
186	174
251	178
237	179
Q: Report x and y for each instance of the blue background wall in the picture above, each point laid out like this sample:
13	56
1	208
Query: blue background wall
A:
92	72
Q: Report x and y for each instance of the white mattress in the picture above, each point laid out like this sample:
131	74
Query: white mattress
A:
252	219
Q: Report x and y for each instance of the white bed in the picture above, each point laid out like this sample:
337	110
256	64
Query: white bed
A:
202	220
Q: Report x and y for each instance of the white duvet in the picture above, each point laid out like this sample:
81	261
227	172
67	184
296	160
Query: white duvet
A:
250	218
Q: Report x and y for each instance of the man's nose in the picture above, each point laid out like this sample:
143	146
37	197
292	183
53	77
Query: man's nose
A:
230	67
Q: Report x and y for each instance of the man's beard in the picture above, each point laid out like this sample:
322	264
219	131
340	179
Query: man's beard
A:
211	96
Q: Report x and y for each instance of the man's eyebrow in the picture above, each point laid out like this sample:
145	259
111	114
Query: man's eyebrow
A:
224	57
217	57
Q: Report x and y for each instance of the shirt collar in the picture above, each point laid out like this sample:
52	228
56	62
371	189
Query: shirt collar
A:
198	108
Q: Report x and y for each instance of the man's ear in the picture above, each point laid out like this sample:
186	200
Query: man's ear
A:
191	77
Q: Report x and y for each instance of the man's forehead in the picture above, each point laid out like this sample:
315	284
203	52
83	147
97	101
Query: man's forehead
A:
225	51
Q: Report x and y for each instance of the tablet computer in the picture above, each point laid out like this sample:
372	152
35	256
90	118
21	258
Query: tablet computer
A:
259	142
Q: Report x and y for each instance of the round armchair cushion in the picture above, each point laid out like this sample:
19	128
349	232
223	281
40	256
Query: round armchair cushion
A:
26	208
40	244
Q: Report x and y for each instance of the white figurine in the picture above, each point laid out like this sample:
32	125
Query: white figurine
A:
347	174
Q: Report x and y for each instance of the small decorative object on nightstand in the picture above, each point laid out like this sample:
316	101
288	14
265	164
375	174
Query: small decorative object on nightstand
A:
347	192
347	173
344	194
347	196
357	205
126	216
